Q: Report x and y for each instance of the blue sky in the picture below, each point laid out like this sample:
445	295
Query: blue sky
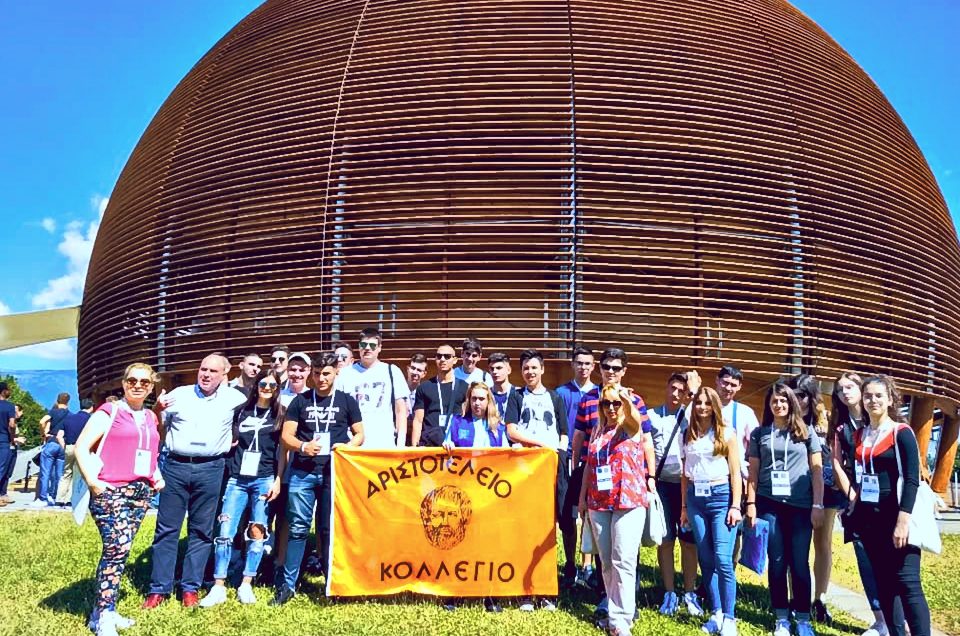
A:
81	81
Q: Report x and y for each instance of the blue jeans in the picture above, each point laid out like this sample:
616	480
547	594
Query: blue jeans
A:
307	489
715	541
193	488
241	492
51	469
8	456
791	531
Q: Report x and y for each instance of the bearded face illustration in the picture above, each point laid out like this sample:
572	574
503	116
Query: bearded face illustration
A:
445	513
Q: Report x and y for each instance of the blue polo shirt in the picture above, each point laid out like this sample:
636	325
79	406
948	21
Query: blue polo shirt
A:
571	394
73	426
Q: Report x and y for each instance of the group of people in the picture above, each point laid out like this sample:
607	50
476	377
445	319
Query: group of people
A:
253	455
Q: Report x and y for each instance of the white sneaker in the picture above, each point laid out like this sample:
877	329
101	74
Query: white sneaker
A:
245	594
804	628
669	605
216	596
122	622
526	605
877	629
729	627
712	626
38	503
548	605
107	624
693	604
782	628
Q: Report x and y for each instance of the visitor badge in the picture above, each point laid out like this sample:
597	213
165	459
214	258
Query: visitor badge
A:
701	488
604	478
463	434
249	463
857	472
324	440
141	463
780	480
870	488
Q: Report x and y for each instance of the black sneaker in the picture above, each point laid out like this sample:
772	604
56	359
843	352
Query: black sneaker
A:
821	614
281	596
491	605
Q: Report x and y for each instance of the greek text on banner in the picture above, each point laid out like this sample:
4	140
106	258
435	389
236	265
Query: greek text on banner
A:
470	522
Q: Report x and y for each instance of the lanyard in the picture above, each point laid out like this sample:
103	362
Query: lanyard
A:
603	455
316	414
142	429
255	447
786	446
880	434
453	385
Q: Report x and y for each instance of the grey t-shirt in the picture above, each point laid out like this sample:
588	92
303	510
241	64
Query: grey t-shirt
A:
797	463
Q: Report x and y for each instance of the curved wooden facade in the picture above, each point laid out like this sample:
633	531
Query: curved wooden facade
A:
696	181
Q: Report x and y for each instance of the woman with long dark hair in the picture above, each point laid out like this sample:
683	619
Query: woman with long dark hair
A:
256	468
785	488
886	451
711	489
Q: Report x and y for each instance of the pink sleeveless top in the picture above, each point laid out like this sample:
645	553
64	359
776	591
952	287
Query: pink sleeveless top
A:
122	443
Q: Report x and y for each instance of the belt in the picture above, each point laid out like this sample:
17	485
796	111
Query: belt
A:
194	459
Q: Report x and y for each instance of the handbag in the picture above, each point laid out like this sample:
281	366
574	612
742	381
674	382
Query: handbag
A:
923	530
80	491
655	523
753	552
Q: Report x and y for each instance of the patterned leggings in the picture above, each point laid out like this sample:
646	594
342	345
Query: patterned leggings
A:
118	514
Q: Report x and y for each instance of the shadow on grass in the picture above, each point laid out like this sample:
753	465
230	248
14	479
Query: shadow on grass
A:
76	598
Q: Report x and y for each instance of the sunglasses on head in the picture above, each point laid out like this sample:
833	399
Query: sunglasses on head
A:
144	382
444	356
605	404
278	358
368	345
264	384
610	367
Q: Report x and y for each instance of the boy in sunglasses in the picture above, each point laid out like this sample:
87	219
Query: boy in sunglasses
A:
437	400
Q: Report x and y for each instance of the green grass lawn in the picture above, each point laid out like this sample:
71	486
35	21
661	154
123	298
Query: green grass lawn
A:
46	587
939	574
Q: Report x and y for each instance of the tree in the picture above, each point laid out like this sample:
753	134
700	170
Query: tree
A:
29	424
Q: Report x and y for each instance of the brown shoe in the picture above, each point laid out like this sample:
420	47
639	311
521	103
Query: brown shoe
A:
190	599
153	600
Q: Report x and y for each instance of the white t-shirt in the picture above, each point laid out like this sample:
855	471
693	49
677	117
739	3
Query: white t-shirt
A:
477	375
700	464
744	421
371	388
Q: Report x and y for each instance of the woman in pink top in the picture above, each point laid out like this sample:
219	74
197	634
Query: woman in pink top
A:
117	456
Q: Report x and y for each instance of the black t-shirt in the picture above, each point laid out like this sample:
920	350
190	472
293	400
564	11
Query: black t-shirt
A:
57	418
433	398
314	414
256	431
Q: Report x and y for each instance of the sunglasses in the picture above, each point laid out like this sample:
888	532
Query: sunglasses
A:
610	367
605	404
278	358
268	385
142	382
444	356
343	356
368	345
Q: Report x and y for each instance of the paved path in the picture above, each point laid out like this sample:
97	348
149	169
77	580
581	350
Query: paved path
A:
855	604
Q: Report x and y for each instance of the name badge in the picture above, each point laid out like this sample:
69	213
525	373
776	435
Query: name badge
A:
141	463
870	488
323	438
857	472
463	434
780	481
604	478
701	488
249	463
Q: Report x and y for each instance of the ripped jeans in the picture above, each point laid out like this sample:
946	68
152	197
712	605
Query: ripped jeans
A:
240	493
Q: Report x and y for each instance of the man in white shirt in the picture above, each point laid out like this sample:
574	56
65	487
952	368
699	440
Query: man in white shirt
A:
468	371
382	392
198	424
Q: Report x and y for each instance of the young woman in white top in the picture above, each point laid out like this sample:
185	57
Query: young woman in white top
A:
711	488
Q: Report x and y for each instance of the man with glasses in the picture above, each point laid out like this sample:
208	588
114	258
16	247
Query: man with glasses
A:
381	391
499	365
437	400
416	369
278	361
249	368
468	371
197	424
571	393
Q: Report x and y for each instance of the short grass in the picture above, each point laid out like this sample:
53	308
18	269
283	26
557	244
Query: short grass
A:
939	574
46	587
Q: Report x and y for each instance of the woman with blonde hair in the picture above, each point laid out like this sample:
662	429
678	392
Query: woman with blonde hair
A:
710	486
478	425
617	477
122	475
785	488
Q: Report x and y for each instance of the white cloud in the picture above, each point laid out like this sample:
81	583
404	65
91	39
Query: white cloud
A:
76	244
4	308
50	225
56	350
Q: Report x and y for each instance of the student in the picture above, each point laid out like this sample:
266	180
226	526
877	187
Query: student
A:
51	454
67	437
381	391
711	488
478	424
571	393
670	421
416	370
246	382
437	401
278	361
296	370
536	418
499	365
880	517
470	354
785	488
316	422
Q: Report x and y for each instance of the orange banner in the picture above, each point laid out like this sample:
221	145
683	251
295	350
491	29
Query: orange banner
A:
472	522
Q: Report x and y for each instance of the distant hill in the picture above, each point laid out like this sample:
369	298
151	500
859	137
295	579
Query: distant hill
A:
45	385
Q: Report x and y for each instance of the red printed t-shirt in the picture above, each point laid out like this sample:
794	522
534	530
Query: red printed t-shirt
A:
625	457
